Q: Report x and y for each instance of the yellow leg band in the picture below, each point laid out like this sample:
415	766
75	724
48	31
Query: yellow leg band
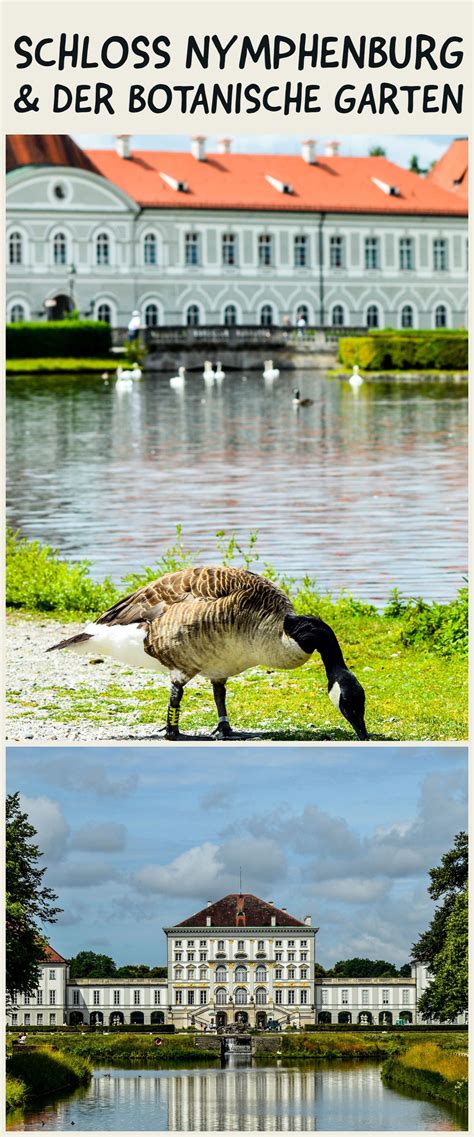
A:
173	716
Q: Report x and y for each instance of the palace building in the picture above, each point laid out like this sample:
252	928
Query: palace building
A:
198	238
239	959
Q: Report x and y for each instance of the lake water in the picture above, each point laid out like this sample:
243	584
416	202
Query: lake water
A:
331	1096
364	490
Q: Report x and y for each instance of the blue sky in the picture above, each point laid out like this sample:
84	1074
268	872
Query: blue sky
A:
399	148
138	838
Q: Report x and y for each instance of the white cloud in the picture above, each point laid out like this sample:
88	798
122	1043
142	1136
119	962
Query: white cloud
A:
101	837
193	873
51	826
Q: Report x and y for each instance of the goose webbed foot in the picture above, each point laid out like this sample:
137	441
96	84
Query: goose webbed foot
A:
223	732
173	734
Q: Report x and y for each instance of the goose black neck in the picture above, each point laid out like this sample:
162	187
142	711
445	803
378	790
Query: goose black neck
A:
312	634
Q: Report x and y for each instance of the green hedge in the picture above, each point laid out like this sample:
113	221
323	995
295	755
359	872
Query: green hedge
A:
57	338
406	351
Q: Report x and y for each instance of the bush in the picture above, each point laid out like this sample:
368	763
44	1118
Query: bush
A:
443	626
42	1071
57	338
406	351
37	579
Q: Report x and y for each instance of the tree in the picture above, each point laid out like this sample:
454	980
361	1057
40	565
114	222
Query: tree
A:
319	969
443	947
28	902
141	971
415	165
377	152
405	971
363	969
90	965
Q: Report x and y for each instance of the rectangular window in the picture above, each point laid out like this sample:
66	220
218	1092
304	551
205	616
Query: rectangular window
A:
265	250
191	249
304	943
278	955
203	998
27	1019
202	955
324	997
39	1020
52	975
202	943
75	998
177	943
440	255
344	996
304	973
291	955
405	997
278	998
178	955
260	945
303	997
278	943
178	997
407	259
278	973
291	943
52	1020
26	1000
14	1019
220	945
229	249
96	998
336	252
190	955
157	998
291	973
372	252
291	998
190	943
136	998
52	998
116	998
190	998
240	945
384	996
303	956
301	252
39	997
365	998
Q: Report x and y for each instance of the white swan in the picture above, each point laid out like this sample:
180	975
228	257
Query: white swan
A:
269	371
208	373
123	381
129	373
177	381
356	380
219	373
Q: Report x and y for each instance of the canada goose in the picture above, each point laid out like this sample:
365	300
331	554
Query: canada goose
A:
297	402
208	373
178	381
269	371
355	379
219	373
217	622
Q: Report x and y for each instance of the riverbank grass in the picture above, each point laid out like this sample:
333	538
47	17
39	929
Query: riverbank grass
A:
68	366
42	1071
122	1047
432	1070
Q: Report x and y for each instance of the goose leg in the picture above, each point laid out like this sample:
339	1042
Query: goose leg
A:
172	732
223	729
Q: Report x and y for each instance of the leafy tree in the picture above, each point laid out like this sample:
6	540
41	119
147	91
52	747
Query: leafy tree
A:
377	152
358	968
90	965
443	947
415	165
140	971
28	902
319	969
405	971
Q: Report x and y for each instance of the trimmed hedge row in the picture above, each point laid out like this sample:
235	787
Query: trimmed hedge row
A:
405	351
57	338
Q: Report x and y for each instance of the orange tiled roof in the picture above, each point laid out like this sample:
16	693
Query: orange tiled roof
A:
238	181
52	956
451	170
237	910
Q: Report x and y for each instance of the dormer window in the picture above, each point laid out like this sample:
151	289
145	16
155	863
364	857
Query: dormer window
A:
174	183
282	187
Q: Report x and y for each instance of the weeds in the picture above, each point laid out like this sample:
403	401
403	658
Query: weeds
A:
42	1071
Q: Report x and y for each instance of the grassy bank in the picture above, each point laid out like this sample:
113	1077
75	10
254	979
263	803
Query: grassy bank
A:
57	366
431	1070
411	657
127	1047
43	1071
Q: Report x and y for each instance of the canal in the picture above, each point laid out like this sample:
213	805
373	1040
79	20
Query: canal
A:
364	489
332	1096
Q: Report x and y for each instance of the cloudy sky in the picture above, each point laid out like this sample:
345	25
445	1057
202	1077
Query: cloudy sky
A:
399	147
138	838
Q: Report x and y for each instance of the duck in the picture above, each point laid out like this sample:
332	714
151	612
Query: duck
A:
298	402
219	373
216	622
269	371
208	373
355	379
177	381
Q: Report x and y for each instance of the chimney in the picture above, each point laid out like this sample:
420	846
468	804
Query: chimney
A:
308	151
123	145
208	921
198	147
224	145
331	149
273	921
284	909
307	921
209	904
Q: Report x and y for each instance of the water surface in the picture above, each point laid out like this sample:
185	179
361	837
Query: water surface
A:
364	490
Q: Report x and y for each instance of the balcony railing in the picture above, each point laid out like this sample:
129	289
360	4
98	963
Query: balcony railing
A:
238	335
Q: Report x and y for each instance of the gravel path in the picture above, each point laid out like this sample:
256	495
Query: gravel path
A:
32	675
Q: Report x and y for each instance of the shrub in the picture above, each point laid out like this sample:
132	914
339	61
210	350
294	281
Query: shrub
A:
443	626
406	351
45	1071
57	338
36	578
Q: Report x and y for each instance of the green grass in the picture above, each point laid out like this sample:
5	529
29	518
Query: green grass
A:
55	366
432	1070
126	1047
43	1071
411	659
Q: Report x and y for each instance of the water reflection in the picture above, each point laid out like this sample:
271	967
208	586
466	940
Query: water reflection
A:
364	490
346	1096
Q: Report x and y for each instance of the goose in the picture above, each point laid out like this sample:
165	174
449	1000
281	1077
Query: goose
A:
208	373
216	622
177	381
297	402
355	379
219	373
269	371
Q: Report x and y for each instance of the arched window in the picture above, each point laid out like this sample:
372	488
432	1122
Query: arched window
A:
266	316
241	996
104	312
102	249
337	316
152	315
261	996
241	975
17	313
441	316
60	249
302	313
230	315
407	316
221	996
15	249
261	975
150	256
221	975
193	316
372	318
324	1017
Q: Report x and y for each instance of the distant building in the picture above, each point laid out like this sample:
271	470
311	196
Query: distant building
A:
240	959
198	238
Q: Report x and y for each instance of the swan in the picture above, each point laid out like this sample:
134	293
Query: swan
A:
217	622
269	371
356	380
219	373
123	381
128	373
177	381
208	373
297	402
